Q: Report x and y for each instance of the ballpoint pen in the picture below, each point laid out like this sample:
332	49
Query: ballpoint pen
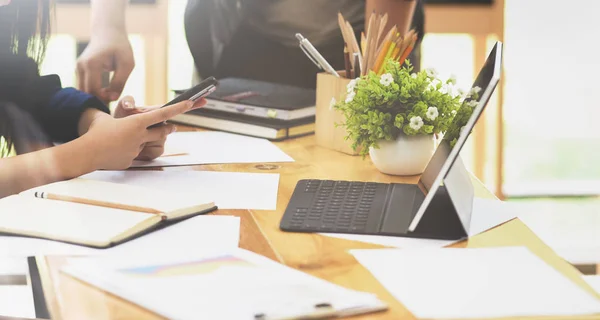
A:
315	56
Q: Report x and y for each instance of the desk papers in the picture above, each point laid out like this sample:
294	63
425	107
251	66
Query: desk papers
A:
572	234
17	301
229	190
210	147
487	214
593	281
470	283
234	284
220	232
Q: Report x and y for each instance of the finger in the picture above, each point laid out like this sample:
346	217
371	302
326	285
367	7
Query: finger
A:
152	150
166	113
128	103
93	80
151	153
199	104
123	67
159	133
80	76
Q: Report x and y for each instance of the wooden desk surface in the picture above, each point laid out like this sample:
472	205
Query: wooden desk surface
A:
318	255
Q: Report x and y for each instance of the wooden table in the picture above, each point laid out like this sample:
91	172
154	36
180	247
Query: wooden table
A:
321	256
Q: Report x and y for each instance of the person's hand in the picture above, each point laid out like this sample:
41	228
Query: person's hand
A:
109	50
115	143
152	149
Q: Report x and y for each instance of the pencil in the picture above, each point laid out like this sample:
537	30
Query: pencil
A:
357	66
373	44
410	48
367	47
381	56
347	62
51	196
363	42
342	28
395	53
353	42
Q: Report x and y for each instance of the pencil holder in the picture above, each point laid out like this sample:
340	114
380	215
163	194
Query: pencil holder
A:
329	89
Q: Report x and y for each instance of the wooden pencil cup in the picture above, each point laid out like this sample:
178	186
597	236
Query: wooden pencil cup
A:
327	133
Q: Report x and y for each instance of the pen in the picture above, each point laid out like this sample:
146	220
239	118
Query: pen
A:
315	56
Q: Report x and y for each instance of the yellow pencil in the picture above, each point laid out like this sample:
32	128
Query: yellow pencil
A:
51	196
381	56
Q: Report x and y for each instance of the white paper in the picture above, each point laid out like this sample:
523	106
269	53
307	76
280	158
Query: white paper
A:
209	147
593	281
228	190
17	301
188	236
487	214
470	283
10	266
572	234
234	284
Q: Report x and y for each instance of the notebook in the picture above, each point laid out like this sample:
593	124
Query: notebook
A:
272	129
261	99
95	213
232	284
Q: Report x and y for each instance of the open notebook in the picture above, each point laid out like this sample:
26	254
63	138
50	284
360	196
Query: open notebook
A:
95	213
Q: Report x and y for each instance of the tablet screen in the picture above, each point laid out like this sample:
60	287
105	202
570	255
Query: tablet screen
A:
464	121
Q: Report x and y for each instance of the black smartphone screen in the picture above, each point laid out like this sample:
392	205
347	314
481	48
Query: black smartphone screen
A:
202	89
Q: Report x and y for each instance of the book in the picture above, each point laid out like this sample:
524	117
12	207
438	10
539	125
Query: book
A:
261	99
272	129
221	284
95	213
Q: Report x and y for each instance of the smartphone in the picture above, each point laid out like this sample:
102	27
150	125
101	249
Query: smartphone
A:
201	90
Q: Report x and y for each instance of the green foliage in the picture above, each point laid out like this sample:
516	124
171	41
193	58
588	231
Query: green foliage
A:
381	107
462	117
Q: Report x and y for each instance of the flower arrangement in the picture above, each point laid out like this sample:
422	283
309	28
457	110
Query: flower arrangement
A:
381	107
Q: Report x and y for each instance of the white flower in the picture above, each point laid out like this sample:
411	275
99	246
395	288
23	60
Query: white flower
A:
446	89
472	103
416	123
350	97
433	84
332	103
431	73
352	84
413	75
386	79
432	113
452	79
473	91
453	112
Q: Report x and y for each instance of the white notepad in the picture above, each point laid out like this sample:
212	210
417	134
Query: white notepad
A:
229	190
209	147
451	283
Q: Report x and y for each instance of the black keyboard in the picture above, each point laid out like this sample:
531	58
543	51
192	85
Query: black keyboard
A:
335	206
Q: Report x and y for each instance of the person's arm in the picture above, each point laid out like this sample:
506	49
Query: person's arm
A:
108	14
109	50
33	169
105	143
400	12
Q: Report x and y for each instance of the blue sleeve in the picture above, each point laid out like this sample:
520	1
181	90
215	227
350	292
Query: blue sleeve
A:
60	115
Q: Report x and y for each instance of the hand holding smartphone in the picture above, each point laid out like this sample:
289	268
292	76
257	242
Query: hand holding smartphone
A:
201	90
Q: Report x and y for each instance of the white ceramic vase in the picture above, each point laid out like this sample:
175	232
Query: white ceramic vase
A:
405	156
